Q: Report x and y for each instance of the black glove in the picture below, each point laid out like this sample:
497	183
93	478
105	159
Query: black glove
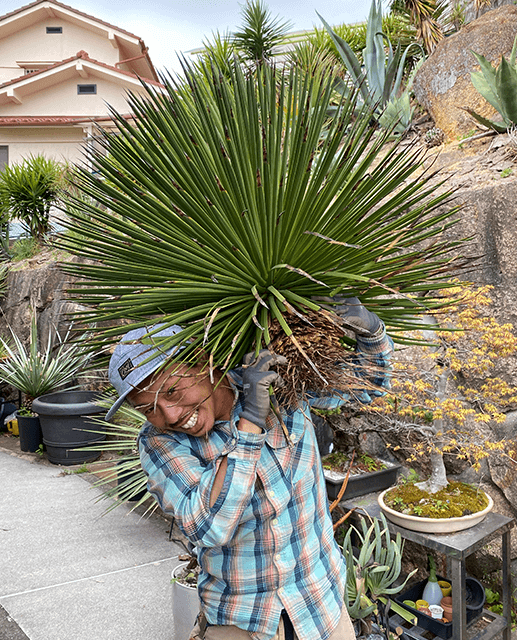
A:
354	315
256	380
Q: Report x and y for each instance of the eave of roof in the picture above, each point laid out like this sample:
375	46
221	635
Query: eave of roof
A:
33	5
81	55
47	121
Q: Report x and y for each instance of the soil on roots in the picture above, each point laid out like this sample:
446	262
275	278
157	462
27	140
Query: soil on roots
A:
317	359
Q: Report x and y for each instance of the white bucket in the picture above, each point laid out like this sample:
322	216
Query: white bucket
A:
185	606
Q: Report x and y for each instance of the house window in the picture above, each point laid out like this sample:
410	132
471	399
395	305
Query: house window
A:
54	29
86	89
4	157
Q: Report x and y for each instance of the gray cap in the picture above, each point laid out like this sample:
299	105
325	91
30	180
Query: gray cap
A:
125	368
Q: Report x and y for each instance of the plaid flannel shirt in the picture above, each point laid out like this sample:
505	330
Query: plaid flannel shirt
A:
267	543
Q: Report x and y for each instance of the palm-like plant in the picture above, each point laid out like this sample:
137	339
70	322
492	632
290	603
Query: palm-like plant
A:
28	191
260	33
227	205
424	14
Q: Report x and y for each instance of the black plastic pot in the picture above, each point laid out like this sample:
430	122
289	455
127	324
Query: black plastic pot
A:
29	428
361	483
437	627
66	426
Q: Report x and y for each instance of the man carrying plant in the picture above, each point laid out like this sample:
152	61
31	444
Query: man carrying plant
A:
244	482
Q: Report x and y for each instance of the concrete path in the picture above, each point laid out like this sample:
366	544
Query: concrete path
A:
68	572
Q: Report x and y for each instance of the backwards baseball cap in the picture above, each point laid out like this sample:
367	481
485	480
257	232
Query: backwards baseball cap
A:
126	370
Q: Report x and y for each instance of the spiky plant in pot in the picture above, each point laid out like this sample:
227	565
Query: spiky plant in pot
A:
227	205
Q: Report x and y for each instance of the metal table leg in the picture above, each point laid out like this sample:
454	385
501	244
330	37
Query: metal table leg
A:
507	586
459	610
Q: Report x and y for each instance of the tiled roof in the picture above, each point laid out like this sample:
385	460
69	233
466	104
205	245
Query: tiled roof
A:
79	55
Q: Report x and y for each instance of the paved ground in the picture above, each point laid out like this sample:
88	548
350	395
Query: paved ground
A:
68	572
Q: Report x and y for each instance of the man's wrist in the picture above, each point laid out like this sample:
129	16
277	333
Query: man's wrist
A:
250	427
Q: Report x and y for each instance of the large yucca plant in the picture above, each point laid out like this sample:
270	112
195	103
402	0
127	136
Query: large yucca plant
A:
228	204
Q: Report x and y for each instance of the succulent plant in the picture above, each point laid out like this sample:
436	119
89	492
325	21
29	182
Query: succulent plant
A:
499	88
380	77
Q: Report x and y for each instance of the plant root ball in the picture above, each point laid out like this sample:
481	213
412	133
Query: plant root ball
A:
317	359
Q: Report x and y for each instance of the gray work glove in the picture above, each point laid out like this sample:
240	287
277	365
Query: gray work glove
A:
256	380
354	315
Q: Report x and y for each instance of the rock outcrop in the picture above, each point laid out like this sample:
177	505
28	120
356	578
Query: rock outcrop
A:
443	85
38	285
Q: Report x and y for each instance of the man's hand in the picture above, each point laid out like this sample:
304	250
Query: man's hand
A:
354	315
256	380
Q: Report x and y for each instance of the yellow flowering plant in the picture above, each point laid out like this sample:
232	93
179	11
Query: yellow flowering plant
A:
442	396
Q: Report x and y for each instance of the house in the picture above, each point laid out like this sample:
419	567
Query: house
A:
59	70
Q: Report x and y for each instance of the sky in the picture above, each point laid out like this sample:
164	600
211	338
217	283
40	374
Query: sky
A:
170	26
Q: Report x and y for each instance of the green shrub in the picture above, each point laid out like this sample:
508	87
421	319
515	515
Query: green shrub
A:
24	248
28	191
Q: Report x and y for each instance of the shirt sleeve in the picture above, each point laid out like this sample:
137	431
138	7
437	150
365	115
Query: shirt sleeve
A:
181	483
369	364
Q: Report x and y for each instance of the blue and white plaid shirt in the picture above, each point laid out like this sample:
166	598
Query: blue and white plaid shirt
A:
267	543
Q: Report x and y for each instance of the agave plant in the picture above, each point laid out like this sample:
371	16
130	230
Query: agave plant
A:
227	205
499	88
380	76
36	372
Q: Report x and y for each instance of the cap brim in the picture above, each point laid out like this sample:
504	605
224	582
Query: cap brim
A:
116	406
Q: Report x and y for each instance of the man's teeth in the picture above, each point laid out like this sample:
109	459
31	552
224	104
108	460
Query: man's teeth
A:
191	422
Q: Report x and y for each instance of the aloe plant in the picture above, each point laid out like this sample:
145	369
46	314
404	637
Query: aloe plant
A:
228	204
499	88
380	76
373	570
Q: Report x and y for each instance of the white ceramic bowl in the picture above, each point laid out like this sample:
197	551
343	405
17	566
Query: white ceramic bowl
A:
433	525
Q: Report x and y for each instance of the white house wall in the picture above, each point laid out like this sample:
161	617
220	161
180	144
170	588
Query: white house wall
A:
62	144
62	99
34	44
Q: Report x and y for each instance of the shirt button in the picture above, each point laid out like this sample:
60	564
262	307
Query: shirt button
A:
272	494
292	437
277	557
275	521
233	440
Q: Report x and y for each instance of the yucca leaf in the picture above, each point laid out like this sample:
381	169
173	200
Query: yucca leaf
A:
230	193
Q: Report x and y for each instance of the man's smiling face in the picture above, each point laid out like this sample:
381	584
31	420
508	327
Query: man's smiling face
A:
182	398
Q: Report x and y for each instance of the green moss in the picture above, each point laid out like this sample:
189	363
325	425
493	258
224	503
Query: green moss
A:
455	500
339	461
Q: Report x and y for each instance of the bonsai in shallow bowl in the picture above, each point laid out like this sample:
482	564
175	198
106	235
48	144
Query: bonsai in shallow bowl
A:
455	507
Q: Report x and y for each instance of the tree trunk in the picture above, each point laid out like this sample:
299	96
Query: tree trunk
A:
438	478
